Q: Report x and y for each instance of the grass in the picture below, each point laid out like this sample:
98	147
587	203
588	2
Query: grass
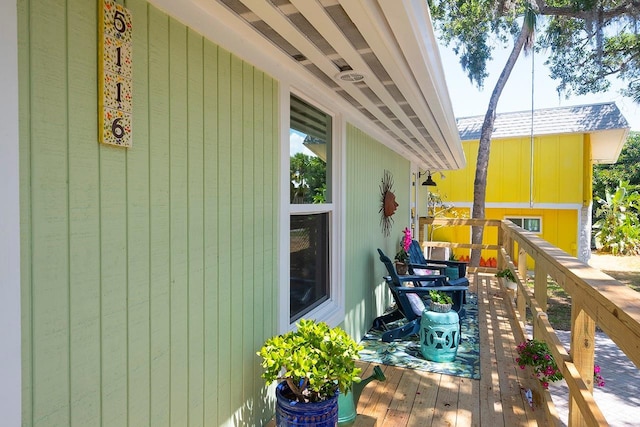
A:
558	305
625	269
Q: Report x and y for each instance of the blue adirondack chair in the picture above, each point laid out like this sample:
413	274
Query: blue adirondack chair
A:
407	299
447	267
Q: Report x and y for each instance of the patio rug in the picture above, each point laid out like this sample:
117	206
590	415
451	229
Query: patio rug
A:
406	353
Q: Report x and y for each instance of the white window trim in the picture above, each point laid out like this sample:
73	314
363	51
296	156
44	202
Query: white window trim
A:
10	322
523	217
510	205
333	310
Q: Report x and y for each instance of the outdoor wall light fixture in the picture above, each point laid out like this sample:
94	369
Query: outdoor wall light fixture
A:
428	182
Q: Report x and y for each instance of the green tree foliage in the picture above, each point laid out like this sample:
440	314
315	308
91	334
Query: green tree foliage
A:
308	179
473	28
586	40
590	40
627	168
615	212
618	231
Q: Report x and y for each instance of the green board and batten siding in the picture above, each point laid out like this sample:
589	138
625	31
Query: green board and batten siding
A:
148	274
366	293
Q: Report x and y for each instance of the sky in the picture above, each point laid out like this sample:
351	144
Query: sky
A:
295	143
468	100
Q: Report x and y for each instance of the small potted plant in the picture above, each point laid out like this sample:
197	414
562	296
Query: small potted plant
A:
536	354
402	257
509	278
313	363
440	302
439	329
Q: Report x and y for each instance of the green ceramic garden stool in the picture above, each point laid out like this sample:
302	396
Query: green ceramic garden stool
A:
439	335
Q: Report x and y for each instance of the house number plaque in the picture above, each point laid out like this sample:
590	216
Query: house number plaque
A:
116	83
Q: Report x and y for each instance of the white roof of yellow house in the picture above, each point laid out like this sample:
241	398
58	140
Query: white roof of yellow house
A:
604	122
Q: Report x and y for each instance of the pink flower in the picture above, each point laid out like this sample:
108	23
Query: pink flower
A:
406	240
545	384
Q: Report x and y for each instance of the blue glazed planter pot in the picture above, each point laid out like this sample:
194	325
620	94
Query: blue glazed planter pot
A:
292	414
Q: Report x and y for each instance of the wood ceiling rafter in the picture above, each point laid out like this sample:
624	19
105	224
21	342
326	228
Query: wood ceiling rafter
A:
318	17
426	66
391	60
275	19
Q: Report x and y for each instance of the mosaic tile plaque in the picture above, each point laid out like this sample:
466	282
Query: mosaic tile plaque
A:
117	57
117	92
115	74
116	127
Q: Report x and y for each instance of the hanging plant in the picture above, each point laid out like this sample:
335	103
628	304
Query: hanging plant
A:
536	354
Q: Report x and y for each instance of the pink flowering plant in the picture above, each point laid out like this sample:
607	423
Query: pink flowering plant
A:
536	354
597	378
403	253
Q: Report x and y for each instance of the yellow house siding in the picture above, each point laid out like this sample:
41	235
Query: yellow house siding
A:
509	179
561	184
558	171
149	274
559	227
458	184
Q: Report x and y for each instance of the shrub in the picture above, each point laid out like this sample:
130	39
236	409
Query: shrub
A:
314	360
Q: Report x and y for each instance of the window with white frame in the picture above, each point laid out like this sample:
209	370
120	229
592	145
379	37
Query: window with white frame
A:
310	207
533	224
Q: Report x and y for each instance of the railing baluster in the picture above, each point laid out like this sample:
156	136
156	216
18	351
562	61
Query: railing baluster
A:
596	298
583	330
522	271
540	285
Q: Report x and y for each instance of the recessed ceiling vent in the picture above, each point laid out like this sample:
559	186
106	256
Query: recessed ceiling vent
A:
350	76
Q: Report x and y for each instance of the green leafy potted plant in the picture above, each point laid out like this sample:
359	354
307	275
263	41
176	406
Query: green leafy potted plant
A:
509	278
440	302
313	363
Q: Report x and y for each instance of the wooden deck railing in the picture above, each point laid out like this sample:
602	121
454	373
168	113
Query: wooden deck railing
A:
596	300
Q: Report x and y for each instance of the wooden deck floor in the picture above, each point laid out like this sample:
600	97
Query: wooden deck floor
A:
415	398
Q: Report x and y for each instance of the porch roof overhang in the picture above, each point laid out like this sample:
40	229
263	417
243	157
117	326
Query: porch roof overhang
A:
604	123
328	45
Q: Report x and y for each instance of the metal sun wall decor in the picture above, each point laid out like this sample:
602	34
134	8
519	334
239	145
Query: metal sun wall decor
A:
388	203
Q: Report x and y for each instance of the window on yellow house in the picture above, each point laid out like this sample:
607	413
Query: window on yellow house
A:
528	223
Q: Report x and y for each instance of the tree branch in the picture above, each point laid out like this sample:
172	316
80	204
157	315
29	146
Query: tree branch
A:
627	8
